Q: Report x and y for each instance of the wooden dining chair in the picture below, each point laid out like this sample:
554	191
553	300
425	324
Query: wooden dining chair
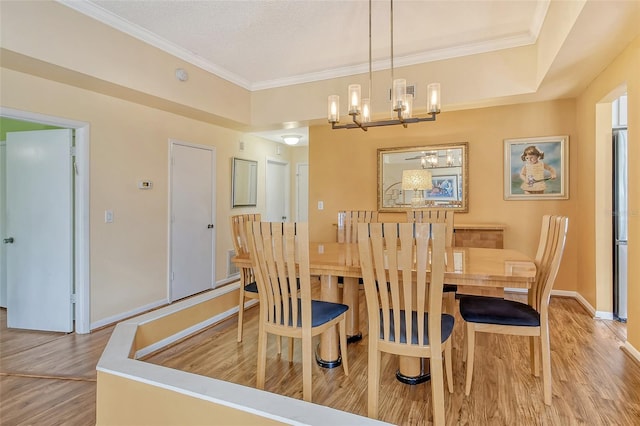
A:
248	286
439	216
280	257
348	223
405	316
494	315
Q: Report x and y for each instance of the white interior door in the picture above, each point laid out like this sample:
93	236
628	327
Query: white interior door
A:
192	244
277	191
302	192
39	249
3	234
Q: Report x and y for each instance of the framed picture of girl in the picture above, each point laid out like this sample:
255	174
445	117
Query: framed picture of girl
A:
536	168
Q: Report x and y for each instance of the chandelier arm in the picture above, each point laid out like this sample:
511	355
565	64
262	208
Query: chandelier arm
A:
355	125
364	126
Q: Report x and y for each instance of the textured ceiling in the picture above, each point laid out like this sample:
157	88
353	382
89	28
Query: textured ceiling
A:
267	43
275	43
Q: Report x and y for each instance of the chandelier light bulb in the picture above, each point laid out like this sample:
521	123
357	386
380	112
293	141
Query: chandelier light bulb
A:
334	109
366	110
399	93
433	98
408	106
354	99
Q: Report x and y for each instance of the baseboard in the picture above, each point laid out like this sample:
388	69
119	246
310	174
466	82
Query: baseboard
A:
223	285
631	351
184	333
124	315
575	295
191	330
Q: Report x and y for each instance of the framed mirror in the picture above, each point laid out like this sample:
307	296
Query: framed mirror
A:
244	183
434	176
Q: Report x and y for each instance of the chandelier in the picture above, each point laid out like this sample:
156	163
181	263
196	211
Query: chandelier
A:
401	101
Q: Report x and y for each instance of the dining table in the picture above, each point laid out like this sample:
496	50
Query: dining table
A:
468	266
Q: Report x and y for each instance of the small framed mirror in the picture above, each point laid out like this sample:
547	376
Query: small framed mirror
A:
434	176
244	183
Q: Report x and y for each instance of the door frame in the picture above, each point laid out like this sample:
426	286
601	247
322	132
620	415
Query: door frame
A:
81	258
300	189
603	267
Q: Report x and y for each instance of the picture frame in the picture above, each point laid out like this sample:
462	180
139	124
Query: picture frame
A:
445	188
244	183
545	176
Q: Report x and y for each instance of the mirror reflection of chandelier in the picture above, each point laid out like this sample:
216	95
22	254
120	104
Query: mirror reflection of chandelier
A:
402	102
450	158
429	160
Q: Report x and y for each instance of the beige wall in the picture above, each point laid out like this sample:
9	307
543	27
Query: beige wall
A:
343	171
79	49
593	175
129	142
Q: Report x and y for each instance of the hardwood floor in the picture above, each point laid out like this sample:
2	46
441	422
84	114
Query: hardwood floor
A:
49	378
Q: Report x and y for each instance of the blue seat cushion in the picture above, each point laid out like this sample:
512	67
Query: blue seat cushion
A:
251	287
493	310
321	312
446	327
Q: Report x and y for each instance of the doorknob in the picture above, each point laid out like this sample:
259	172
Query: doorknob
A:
8	240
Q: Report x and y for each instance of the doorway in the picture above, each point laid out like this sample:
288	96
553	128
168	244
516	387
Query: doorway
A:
80	209
302	192
619	207
277	190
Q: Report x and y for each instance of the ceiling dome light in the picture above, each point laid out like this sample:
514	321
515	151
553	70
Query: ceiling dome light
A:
291	139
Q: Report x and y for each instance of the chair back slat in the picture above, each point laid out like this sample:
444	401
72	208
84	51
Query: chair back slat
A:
280	258
348	223
550	260
434	216
403	271
544	234
239	231
241	243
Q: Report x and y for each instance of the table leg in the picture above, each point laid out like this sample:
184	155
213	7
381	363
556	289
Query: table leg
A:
413	370
328	355
351	298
